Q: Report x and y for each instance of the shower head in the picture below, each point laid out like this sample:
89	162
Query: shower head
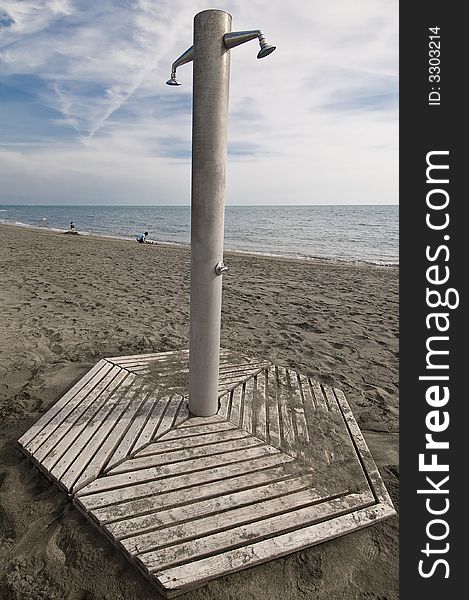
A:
263	52
173	80
240	37
266	48
186	57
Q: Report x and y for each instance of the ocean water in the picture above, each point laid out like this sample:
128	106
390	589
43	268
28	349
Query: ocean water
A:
347	233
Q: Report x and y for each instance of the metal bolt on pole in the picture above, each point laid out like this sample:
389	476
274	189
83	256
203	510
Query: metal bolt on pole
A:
211	56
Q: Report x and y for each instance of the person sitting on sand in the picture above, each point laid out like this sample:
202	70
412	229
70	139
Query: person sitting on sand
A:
72	229
141	237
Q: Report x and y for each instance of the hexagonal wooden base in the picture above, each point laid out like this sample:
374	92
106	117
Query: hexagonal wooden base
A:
282	466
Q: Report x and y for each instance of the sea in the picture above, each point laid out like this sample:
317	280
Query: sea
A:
350	233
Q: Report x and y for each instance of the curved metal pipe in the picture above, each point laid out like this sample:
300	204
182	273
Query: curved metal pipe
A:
236	38
186	57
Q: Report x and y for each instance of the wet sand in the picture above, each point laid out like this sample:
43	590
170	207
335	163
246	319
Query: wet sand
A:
67	301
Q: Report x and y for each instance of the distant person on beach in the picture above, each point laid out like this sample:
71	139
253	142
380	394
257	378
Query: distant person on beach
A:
72	229
141	237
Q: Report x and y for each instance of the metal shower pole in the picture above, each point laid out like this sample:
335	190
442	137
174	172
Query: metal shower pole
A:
211	56
209	142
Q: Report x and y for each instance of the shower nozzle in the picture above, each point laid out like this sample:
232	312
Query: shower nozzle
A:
266	48
186	57
173	80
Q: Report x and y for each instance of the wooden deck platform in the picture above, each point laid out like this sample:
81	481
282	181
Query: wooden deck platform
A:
282	466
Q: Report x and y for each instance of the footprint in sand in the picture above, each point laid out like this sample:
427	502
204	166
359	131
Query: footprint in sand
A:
7	530
371	548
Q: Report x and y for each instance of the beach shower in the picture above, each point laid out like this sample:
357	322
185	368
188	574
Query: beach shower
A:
210	54
280	466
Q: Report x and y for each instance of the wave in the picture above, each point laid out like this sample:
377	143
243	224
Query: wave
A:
309	258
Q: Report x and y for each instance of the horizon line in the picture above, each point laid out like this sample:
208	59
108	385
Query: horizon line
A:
188	205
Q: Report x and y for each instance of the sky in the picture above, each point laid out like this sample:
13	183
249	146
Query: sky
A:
86	117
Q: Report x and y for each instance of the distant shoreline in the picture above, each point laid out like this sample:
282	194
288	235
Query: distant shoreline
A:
227	252
351	234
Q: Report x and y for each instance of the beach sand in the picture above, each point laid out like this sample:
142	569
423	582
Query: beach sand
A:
67	301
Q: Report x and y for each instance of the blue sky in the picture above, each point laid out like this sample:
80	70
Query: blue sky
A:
86	117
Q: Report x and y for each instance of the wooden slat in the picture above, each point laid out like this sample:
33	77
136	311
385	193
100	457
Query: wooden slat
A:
105	424
171	470
298	411
161	404
136	395
321	403
70	427
157	370
224	409
281	374
196	421
331	401
101	458
225	540
232	375
144	462
161	501
88	392
191	442
92	374
185	577
247	423
183	413
77	440
233	359
238	376
246	368
296	397
153	355
200	508
301	425
260	406
362	448
274	424
102	498
305	389
218	522
286	419
229	384
178	433
133	431
169	416
157	366
236	404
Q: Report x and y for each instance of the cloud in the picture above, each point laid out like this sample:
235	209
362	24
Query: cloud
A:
27	17
314	122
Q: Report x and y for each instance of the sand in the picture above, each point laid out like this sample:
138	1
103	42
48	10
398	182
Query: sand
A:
67	301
